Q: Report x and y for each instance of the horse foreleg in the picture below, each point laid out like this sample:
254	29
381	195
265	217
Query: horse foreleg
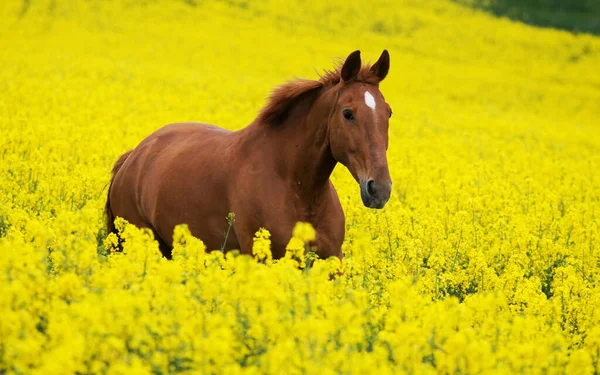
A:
328	246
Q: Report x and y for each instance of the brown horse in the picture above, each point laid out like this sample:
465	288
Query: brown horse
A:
271	174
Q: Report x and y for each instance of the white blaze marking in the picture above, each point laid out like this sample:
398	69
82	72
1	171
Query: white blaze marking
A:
369	100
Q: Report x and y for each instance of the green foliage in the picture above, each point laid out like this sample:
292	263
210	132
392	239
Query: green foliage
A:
572	15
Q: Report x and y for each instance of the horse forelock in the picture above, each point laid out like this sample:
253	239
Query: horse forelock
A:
333	77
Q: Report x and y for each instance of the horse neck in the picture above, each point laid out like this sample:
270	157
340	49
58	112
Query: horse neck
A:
301	143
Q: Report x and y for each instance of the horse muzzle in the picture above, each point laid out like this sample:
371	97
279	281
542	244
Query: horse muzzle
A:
375	194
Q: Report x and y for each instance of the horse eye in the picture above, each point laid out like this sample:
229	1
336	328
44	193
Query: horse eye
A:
348	114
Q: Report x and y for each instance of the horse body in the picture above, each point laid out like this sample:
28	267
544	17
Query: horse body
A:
272	173
157	185
156	164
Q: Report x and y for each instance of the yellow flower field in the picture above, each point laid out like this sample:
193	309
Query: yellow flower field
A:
485	260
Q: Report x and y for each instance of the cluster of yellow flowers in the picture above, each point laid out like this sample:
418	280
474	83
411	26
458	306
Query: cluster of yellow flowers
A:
486	258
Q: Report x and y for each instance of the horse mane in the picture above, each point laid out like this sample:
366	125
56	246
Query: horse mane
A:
285	96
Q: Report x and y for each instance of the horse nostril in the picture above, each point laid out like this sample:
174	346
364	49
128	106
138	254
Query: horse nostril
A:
371	187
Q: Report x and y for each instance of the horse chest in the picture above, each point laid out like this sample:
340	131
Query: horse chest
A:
307	207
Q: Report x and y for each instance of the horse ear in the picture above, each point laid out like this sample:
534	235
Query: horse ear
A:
351	66
382	66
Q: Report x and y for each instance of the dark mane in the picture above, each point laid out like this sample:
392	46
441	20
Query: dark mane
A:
283	98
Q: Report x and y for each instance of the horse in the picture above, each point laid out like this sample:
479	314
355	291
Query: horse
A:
272	173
